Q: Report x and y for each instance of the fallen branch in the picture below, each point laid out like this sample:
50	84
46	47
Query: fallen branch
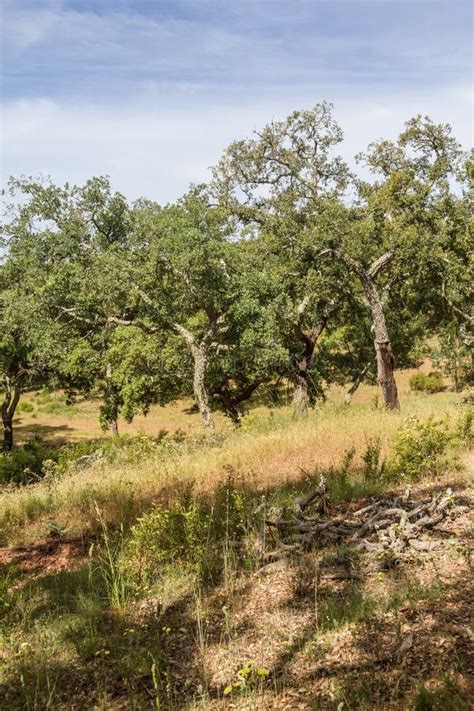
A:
387	528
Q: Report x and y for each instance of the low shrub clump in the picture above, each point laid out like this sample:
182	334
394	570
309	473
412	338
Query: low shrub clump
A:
427	383
28	463
421	448
198	533
418	449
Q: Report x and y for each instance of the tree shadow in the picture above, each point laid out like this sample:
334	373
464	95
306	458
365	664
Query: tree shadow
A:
391	655
142	652
44	431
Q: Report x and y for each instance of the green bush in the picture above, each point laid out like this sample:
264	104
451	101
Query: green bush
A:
374	462
432	383
465	428
28	463
418	450
194	532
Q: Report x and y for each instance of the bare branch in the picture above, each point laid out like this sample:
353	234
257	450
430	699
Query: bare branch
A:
381	262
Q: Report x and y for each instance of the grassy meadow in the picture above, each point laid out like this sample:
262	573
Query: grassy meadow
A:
131	572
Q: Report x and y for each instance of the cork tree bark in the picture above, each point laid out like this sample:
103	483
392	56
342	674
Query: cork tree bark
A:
309	339
383	348
8	408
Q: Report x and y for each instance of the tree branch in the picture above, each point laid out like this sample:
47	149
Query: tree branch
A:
381	262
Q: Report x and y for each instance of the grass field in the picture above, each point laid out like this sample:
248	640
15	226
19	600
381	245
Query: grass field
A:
131	583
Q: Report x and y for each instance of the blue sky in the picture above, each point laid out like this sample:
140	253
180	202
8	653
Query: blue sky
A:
150	92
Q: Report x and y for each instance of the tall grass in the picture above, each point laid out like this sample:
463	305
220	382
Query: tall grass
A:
270	450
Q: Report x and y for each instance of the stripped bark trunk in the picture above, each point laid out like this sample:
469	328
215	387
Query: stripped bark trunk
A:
383	348
199	352
301	392
9	405
199	384
111	403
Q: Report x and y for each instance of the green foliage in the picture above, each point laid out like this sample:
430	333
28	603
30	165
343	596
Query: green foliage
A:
248	676
195	532
465	427
453	353
418	450
49	402
28	463
27	407
422	382
226	290
374	463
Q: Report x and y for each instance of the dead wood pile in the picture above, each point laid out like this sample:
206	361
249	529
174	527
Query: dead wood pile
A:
388	528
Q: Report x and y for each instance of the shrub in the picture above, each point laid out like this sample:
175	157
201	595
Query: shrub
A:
26	406
465	428
49	402
27	463
193	532
418	449
374	463
432	383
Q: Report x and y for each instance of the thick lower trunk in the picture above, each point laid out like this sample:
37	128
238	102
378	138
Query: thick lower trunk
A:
233	413
111	403
300	395
383	348
301	391
9	405
385	374
7	435
232	399
199	386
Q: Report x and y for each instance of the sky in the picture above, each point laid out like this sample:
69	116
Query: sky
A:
150	92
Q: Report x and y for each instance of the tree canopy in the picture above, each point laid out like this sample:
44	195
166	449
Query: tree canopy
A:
287	266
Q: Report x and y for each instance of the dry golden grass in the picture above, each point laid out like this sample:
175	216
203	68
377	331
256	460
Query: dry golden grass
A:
270	450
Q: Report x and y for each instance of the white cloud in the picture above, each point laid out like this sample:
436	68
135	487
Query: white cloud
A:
156	150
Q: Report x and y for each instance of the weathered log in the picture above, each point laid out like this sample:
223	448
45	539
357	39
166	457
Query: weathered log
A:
391	526
305	501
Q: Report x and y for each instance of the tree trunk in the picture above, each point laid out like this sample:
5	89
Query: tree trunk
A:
301	394
8	408
233	413
199	385
7	434
383	348
232	399
111	403
355	385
